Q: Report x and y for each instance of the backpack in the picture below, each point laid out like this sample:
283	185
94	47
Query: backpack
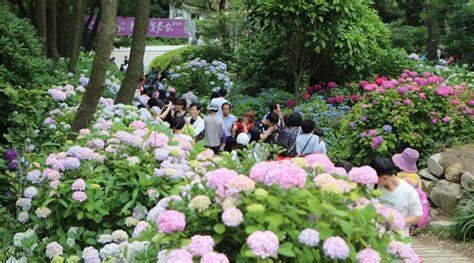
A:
425	205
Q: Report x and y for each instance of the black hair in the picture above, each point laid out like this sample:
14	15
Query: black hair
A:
178	123
273	106
170	98
383	166
222	92
153	102
179	101
318	132
226	103
272	117
307	126
214	95
197	105
254	134
294	119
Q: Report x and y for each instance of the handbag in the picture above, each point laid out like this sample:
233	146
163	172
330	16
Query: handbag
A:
304	148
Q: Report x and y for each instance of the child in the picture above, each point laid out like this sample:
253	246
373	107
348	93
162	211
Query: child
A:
406	162
322	144
397	193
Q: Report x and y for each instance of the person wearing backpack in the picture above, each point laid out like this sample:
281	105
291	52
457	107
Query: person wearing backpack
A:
406	162
397	193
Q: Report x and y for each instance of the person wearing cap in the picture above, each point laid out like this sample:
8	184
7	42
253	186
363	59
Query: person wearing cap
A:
397	193
242	140
213	128
406	162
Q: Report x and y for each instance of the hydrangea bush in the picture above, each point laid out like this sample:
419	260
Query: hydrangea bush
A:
200	75
421	111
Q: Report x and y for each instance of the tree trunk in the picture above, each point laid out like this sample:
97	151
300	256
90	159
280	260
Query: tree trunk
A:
52	30
431	47
78	9
296	84
90	43
41	21
62	25
94	89
135	66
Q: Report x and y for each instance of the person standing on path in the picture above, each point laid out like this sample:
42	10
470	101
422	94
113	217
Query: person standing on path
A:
196	121
406	162
307	142
213	130
397	193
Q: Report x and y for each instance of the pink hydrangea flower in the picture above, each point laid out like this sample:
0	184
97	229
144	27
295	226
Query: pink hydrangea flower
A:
323	179
79	196
90	255
213	257
363	175
232	217
446	119
403	251
137	125
201	245
336	248
320	159
393	218
294	177
171	221
141	225
179	255
240	184
220	177
368	255
157	140
78	185
263	244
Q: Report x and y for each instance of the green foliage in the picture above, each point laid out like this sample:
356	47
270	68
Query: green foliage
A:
460	36
411	38
463	227
172	58
259	103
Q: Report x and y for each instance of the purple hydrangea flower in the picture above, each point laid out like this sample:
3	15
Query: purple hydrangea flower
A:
387	128
10	154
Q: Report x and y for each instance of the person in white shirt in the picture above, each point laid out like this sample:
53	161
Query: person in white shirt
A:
397	193
242	140
220	100
196	121
307	142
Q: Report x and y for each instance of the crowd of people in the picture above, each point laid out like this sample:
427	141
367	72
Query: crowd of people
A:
223	131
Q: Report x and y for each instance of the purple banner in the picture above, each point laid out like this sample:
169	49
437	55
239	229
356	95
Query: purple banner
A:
157	27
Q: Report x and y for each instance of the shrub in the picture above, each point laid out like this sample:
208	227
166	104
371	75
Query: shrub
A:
460	36
417	111
170	59
259	103
463	227
201	76
411	38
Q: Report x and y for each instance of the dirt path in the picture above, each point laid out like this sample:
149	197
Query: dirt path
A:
441	251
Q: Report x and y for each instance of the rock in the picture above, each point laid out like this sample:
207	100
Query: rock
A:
434	165
440	224
427	186
424	173
446	195
453	173
464	155
467	181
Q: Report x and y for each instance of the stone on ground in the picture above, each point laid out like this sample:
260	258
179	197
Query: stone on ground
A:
440	224
467	181
424	173
446	195
428	186
434	165
453	172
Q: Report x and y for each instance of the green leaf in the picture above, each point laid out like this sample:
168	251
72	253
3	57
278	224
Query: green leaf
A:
324	233
219	228
286	250
346	228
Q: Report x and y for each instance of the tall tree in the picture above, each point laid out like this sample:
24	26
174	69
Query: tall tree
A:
63	18
135	67
41	21
94	89
52	29
76	40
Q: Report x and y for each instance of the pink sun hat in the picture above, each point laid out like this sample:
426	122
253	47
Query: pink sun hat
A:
406	160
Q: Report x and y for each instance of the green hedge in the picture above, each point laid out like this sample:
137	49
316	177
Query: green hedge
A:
171	58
